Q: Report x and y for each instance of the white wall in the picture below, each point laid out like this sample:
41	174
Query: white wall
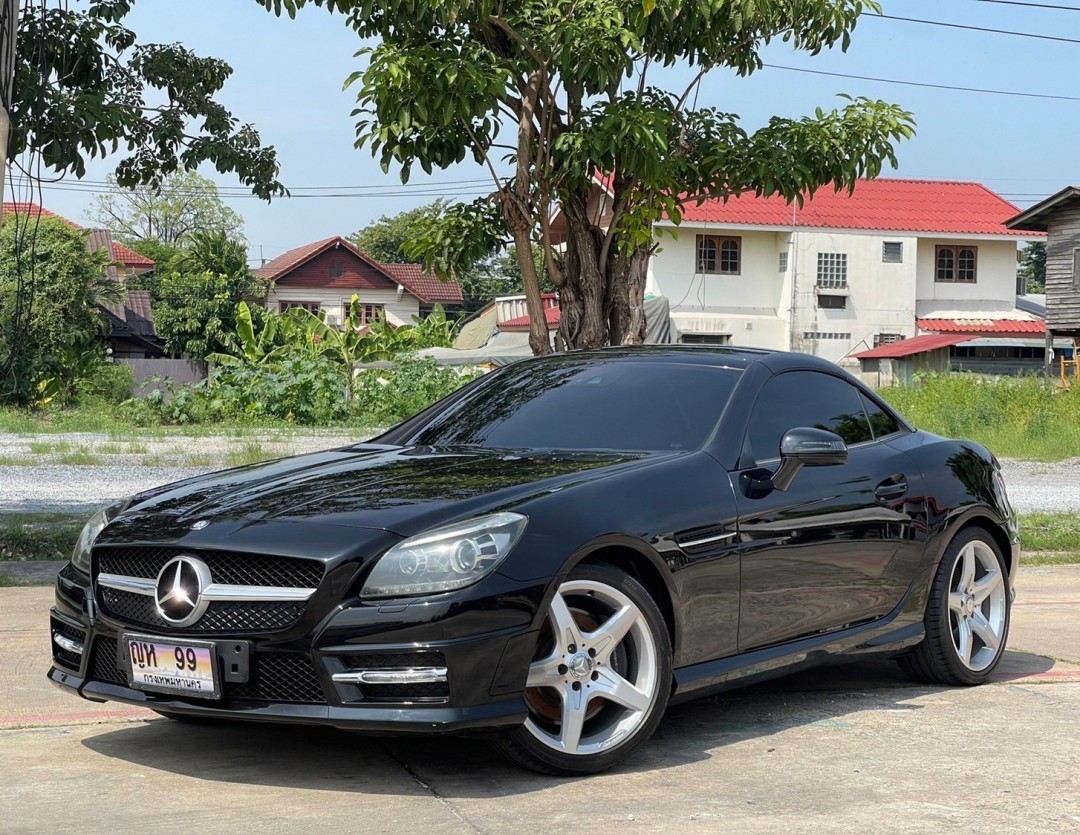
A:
994	289
880	297
397	312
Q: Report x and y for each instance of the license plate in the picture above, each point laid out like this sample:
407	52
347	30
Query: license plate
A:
180	668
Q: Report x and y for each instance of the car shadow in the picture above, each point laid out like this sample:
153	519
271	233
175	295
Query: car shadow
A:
287	756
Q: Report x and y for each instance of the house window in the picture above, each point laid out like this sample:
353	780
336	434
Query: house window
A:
718	255
887	339
368	312
705	338
892	252
783	262
336	270
818	335
832	270
956	264
311	307
1076	269
832	302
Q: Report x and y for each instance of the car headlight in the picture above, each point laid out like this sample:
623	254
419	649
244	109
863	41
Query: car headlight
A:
446	558
80	557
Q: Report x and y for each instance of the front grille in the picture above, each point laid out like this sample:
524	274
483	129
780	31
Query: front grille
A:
429	691
103	666
220	616
71	660
225	566
281	677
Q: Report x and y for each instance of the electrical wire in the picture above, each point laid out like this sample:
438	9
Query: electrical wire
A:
881	80
1036	35
1051	6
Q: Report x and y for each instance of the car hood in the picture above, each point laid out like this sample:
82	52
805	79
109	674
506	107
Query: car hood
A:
403	490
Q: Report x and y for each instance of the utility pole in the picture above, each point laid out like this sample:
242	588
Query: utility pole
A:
9	26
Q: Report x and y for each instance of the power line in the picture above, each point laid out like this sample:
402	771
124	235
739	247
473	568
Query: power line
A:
926	84
1032	5
976	28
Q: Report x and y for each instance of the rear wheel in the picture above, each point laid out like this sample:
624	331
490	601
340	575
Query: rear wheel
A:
967	618
600	676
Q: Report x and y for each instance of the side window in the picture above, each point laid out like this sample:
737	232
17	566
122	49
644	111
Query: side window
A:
880	421
806	398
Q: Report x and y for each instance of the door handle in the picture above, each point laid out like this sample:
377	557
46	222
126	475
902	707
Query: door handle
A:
892	488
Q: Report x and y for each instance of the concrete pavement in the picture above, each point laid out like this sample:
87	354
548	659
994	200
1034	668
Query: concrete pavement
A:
849	749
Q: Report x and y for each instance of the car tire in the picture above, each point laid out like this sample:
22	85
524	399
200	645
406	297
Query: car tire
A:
599	691
967	616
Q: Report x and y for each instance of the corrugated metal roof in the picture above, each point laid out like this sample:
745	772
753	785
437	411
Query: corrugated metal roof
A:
915	345
522	322
982	325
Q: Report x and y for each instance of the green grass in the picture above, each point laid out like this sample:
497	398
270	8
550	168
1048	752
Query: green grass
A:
1014	417
252	452
1050	532
39	536
6	580
48	447
1037	558
81	457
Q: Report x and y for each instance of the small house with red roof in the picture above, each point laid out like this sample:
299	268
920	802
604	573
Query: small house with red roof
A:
844	272
324	276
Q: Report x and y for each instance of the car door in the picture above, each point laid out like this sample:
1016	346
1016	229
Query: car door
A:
837	547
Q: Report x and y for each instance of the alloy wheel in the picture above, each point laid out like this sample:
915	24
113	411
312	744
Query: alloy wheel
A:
598	672
977	606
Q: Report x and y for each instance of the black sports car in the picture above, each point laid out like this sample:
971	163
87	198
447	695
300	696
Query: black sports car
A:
553	553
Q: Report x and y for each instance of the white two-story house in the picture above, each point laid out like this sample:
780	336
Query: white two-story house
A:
845	271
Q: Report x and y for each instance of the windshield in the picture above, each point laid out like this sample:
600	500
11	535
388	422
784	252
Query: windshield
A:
595	403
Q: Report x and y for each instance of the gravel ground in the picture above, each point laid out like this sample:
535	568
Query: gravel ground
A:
54	482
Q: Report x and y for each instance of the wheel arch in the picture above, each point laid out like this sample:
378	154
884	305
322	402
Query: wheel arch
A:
984	519
642	563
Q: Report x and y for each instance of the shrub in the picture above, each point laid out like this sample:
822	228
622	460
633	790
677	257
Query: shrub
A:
299	389
109	382
383	398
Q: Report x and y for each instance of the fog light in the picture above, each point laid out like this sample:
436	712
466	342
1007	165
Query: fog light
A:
397	675
66	643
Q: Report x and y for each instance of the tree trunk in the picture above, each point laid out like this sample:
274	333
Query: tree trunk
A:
600	303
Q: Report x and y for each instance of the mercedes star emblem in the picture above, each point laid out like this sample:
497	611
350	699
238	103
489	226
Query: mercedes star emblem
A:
202	523
179	591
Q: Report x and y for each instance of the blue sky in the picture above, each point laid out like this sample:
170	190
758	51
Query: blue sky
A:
288	78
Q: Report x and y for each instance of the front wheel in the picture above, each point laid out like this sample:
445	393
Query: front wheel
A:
600	677
967	617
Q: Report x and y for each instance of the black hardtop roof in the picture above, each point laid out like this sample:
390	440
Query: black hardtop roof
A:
733	355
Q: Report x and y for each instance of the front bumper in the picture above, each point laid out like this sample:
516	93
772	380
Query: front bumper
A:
484	639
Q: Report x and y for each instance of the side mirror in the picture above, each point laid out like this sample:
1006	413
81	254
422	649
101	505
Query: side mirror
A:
807	447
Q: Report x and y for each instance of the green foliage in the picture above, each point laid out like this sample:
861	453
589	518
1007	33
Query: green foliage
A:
1050	532
196	298
85	88
39	536
385	239
1015	417
1033	267
297	389
49	285
383	398
108	382
183	204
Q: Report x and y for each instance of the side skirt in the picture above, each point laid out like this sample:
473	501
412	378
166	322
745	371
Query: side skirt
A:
893	633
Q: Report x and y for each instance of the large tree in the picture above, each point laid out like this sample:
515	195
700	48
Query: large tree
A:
75	83
183	204
61	321
385	239
1032	268
575	86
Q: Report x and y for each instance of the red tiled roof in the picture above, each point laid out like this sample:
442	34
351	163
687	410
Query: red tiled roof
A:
424	286
915	345
127	257
969	326
895	205
521	323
